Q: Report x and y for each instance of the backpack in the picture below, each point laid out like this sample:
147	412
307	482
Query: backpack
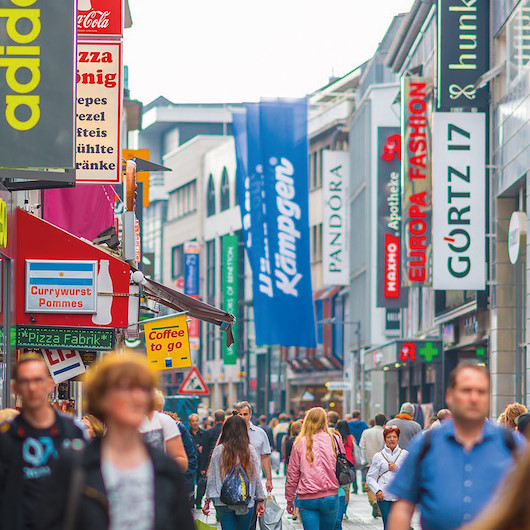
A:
235	490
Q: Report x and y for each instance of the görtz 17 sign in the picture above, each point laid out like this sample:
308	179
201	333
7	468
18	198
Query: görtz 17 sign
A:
99	71
61	286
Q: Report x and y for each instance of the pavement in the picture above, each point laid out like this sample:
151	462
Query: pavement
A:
359	512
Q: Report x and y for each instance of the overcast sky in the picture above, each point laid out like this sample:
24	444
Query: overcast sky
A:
240	50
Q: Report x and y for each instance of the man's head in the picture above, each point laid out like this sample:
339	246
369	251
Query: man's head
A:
244	410
283	417
193	420
356	415
407	408
263	420
512	412
468	393
32	382
219	416
333	417
523	424
444	414
380	419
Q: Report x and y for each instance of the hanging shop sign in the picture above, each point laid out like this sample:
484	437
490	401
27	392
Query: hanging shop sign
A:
230	290
98	107
63	364
61	286
459	194
415	350
335	251
463	53
64	338
167	344
516	236
191	268
100	18
38	80
390	292
392	320
416	171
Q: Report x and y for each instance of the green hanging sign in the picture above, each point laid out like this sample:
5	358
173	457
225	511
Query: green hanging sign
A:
230	281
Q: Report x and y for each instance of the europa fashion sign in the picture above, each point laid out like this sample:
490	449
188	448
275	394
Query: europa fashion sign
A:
100	18
37	59
463	53
459	191
390	293
335	251
99	97
416	171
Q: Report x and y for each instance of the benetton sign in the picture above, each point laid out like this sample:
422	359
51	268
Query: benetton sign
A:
459	195
463	53
390	294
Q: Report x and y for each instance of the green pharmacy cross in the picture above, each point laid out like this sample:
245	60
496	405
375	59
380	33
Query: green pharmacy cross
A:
429	352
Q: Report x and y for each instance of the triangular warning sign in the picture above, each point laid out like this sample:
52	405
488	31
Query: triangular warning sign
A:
193	384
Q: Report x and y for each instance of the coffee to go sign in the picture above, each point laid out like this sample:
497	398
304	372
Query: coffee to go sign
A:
61	286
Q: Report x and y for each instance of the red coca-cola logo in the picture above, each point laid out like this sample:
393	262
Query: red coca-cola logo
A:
99	17
93	20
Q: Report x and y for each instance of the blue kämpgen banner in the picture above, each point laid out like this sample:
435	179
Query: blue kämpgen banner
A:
272	184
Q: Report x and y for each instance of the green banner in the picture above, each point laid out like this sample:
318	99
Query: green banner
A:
230	280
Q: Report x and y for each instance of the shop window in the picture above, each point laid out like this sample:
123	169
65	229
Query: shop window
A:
210	271
210	197
177	261
225	191
183	201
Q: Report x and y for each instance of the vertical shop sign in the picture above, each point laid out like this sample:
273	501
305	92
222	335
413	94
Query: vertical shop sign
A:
390	292
230	294
192	287
416	171
99	102
37	83
463	53
100	18
459	195
335	250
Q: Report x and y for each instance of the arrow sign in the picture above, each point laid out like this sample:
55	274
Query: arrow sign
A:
193	384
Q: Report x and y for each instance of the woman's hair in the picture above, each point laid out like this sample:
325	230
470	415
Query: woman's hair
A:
391	428
97	425
344	430
511	508
315	421
114	370
296	428
236	445
159	400
513	411
273	422
7	415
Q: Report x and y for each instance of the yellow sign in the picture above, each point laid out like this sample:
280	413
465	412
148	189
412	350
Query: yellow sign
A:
167	343
3	223
141	176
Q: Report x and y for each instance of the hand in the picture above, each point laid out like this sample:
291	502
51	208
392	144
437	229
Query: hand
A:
379	496
260	508
290	508
268	485
392	466
206	507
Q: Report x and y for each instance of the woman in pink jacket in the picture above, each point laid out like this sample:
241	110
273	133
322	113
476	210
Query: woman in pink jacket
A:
311	473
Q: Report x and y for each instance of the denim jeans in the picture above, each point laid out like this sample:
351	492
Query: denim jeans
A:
340	513
384	508
231	521
319	514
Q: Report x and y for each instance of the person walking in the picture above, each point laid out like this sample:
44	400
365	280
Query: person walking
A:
357	427
30	444
119	481
349	443
234	448
210	440
311	474
372	441
383	470
407	426
198	435
268	430
288	441
281	430
452	472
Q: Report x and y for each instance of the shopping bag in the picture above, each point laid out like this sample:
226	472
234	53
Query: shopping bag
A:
201	525
272	516
275	460
360	458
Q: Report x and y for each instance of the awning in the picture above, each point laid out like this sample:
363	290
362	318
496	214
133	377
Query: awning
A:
181	302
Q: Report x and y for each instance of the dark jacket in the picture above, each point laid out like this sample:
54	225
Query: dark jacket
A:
268	432
12	436
199	438
209	443
172	510
191	452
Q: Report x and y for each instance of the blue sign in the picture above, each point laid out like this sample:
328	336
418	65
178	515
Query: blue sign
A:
273	188
191	269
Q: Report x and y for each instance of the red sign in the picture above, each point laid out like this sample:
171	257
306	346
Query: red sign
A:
100	17
392	266
408	352
194	384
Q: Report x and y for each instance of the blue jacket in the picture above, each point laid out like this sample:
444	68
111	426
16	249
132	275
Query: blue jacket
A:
193	461
356	428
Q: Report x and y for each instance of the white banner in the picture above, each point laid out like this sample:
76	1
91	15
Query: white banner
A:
459	200
335	250
63	364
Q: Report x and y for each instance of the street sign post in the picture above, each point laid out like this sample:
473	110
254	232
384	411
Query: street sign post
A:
193	384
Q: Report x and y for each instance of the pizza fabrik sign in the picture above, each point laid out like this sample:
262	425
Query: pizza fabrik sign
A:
459	200
463	53
100	18
99	99
417	193
390	293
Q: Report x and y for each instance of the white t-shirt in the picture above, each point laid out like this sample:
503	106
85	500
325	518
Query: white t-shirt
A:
159	430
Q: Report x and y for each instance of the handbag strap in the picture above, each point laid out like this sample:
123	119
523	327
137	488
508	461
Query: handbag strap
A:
336	446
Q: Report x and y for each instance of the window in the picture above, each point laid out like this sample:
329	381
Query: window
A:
183	201
210	297
225	191
316	243
177	261
210	197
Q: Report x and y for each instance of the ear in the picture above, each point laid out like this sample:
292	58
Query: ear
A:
49	386
449	398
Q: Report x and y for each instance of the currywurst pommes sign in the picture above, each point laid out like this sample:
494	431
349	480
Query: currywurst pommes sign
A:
37	79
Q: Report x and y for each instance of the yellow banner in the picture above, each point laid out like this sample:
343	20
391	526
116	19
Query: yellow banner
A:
167	343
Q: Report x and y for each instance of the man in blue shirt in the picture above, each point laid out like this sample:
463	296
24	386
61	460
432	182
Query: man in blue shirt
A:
453	471
357	427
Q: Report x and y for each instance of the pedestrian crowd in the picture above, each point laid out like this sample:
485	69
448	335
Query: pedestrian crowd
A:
130	464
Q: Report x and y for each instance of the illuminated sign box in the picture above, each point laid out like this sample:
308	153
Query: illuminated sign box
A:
74	338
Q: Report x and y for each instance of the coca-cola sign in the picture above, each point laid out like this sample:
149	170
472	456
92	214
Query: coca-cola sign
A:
100	17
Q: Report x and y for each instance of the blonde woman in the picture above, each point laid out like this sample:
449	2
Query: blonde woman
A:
311	473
